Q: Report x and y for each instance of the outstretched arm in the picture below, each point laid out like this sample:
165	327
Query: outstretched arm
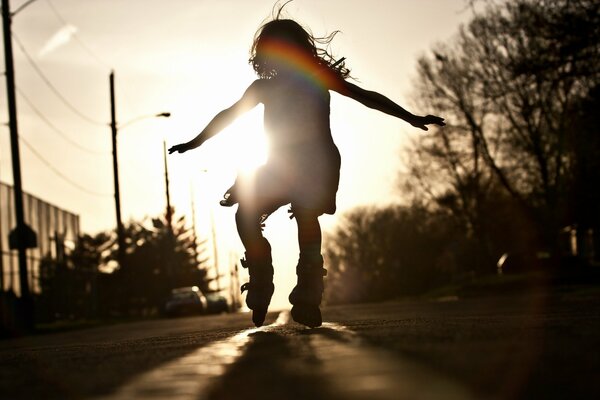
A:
379	102
220	121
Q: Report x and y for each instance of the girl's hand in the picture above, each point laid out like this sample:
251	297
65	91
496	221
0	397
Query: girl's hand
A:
179	148
421	122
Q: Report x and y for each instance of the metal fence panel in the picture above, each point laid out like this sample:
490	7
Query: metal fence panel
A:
48	221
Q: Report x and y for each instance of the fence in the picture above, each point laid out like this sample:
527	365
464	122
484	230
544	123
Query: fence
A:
55	229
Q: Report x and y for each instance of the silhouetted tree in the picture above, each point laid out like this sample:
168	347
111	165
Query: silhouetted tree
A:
583	144
514	86
68	281
383	253
159	256
518	160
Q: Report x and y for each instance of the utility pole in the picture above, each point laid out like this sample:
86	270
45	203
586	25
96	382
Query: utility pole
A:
21	237
194	231
169	218
215	252
169	214
113	128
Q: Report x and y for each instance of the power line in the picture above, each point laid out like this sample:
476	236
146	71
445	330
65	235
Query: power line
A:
60	174
21	7
56	130
80	42
52	87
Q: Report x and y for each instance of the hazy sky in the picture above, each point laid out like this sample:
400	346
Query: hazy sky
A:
189	57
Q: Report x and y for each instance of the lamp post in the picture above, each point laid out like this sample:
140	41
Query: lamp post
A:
114	130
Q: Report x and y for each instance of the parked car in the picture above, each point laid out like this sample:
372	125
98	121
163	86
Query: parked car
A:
518	262
186	301
216	303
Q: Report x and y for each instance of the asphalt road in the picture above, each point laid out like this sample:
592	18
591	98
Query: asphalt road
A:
535	345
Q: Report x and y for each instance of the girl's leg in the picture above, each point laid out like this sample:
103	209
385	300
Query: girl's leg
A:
258	261
247	221
306	296
309	235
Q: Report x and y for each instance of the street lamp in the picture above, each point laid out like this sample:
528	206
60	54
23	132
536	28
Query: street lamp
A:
142	117
113	126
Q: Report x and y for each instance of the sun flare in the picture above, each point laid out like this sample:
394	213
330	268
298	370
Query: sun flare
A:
247	142
239	149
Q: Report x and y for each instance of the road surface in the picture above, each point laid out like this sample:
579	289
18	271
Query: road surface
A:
537	345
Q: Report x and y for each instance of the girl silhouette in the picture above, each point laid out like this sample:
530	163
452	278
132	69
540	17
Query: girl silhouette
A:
295	77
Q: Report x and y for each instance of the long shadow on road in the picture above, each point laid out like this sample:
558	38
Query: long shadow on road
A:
330	362
274	366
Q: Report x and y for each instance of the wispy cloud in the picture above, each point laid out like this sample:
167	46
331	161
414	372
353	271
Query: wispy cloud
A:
60	38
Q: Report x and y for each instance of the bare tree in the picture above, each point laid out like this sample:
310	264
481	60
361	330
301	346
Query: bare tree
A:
509	86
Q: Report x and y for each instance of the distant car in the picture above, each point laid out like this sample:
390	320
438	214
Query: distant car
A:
216	303
186	301
517	262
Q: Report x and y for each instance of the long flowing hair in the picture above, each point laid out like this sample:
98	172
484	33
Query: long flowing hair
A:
287	32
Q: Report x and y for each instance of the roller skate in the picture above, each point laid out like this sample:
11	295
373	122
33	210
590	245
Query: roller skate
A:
260	288
229	198
306	296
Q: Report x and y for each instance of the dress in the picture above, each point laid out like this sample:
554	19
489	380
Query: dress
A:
303	166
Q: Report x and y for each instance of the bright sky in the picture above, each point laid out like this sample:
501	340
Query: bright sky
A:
189	57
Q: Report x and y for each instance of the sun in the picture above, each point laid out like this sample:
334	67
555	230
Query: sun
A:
240	148
247	141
